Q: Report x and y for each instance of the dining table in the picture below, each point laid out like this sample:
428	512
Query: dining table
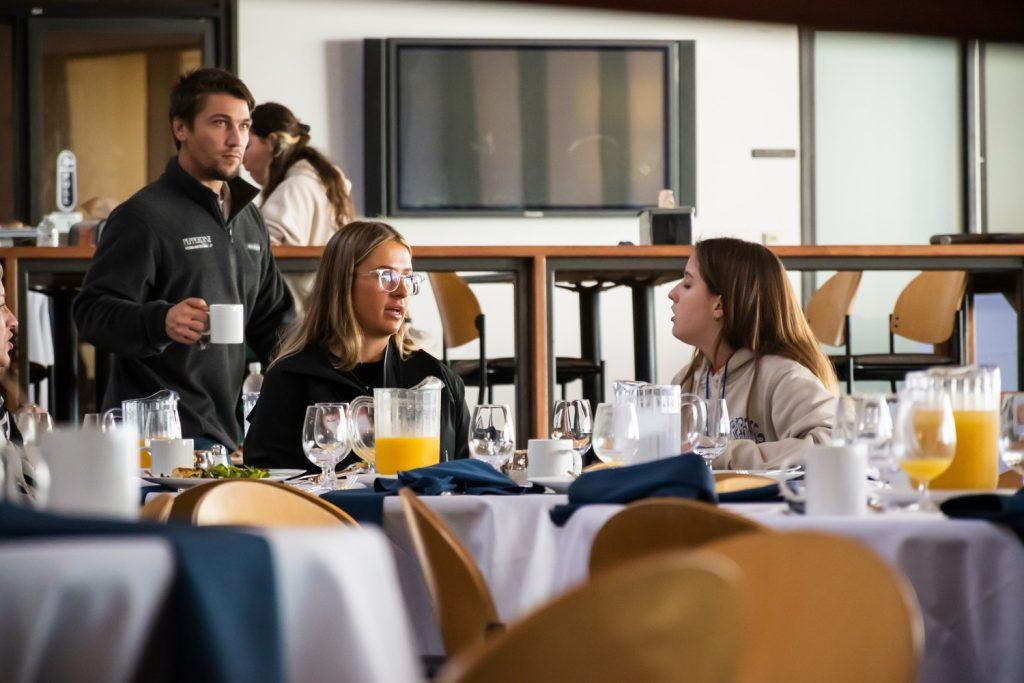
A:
89	607
967	575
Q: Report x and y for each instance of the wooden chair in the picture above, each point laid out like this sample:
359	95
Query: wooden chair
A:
828	313
255	503
828	609
928	310
1010	480
462	321
668	618
658	525
465	607
157	509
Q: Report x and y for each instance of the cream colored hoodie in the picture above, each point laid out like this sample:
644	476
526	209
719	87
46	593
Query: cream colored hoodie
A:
787	410
298	213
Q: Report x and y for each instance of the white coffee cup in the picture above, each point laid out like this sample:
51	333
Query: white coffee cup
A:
835	480
170	453
227	324
93	472
549	457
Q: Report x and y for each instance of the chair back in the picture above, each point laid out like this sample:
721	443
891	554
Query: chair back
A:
157	509
458	307
255	503
829	306
668	618
925	310
465	608
829	609
657	525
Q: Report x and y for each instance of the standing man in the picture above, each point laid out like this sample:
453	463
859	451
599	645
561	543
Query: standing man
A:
188	240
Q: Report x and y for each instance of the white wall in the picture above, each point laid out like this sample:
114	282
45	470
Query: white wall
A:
307	54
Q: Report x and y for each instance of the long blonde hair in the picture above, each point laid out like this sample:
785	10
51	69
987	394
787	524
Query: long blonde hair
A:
330	319
760	309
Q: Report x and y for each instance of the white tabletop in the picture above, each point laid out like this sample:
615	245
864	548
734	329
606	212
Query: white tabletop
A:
968	575
83	608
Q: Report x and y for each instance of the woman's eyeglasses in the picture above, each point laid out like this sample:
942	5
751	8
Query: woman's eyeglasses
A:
390	279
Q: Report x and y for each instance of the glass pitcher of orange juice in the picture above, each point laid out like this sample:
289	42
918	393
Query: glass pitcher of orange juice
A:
153	417
974	393
406	427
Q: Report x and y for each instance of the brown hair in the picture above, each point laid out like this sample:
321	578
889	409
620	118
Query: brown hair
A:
289	143
760	309
330	319
189	93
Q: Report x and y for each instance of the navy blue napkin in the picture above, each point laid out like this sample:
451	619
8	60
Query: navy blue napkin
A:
684	476
471	477
221	611
1008	510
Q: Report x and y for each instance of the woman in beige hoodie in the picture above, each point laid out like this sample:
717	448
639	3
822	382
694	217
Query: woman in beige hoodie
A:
754	348
305	198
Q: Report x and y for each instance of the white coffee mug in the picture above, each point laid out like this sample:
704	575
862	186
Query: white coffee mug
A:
169	454
93	472
835	480
549	457
227	324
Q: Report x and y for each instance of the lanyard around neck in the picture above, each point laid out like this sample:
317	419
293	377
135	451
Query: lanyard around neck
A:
725	378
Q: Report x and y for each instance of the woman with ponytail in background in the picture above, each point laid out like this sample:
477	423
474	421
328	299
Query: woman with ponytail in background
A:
305	197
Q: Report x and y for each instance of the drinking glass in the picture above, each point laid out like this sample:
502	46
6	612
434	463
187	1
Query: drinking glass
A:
159	425
112	419
332	438
925	438
717	430
1011	433
865	418
492	437
92	421
310	447
571	420
616	436
31	424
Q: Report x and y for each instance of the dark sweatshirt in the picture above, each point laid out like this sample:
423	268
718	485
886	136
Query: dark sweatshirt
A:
291	384
166	243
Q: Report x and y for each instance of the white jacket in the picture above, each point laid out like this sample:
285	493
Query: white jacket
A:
788	409
298	213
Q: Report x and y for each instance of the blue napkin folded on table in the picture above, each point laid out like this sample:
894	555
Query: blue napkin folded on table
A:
1008	510
684	476
222	619
472	477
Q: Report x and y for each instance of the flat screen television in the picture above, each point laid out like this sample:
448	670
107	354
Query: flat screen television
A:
514	127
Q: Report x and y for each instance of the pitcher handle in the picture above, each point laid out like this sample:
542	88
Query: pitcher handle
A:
356	406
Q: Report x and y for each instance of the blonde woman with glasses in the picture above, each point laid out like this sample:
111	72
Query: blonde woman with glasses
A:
354	338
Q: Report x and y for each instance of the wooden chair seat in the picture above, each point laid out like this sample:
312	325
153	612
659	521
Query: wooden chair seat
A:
255	503
665	619
657	525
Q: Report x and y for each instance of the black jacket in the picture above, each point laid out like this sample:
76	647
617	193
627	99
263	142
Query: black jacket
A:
166	243
275	429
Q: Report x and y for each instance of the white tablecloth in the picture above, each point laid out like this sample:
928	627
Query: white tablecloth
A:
82	609
968	575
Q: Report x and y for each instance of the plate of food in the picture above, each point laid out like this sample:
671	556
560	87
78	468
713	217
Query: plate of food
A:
187	477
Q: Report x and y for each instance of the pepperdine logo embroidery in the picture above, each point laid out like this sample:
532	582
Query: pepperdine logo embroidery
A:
201	242
252	246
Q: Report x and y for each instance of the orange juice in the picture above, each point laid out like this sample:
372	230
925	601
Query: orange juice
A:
145	458
397	453
976	463
924	469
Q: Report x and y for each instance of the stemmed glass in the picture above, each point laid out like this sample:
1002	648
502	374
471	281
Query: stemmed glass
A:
616	436
925	441
571	420
865	418
1011	433
492	437
32	424
717	430
332	438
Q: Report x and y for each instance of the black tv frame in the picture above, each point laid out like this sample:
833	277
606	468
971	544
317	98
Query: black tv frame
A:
380	122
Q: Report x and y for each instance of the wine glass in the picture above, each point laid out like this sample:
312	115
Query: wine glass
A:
717	430
925	438
492	437
32	423
92	421
361	424
1011	433
332	438
865	418
691	423
571	420
616	436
